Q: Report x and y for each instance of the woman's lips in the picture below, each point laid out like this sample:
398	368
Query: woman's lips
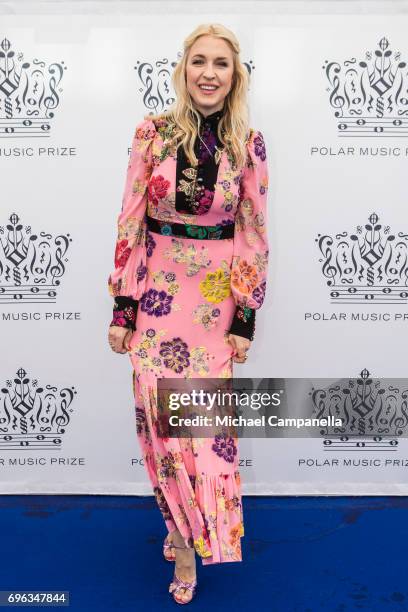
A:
208	91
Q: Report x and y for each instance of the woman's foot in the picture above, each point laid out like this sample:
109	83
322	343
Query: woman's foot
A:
185	568
168	550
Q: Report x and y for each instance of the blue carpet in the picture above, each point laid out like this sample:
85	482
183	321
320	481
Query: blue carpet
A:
301	554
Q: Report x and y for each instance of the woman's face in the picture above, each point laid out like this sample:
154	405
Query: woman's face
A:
209	63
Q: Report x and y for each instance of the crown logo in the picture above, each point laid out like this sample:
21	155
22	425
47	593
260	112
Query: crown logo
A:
369	97
368	266
33	417
367	407
156	86
31	265
29	94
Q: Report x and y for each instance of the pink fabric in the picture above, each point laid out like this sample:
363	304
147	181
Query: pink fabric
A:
187	291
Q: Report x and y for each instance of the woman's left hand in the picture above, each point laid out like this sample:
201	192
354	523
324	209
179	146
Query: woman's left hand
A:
240	346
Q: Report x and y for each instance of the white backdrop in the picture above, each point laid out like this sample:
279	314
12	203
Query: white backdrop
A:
329	92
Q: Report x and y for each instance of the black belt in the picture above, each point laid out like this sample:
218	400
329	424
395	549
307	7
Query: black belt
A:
187	230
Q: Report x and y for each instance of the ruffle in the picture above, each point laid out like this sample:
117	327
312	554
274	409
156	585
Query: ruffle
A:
224	526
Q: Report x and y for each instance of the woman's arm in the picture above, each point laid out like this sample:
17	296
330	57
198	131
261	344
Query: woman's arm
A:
127	281
250	252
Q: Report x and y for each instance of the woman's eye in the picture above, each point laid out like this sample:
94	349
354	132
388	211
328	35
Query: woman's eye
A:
200	62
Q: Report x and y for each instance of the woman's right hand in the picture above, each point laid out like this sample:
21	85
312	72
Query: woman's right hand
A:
119	338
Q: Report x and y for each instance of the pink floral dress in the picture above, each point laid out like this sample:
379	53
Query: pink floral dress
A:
190	268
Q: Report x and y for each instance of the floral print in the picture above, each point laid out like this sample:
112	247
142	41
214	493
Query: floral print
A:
194	257
230	203
244	277
141	272
145	354
199	365
157	188
225	447
154	355
259	146
122	253
168	280
182	297
140	420
175	354
161	502
124	312
157	303
200	198
216	285
206	315
120	317
259	293
150	244
168	464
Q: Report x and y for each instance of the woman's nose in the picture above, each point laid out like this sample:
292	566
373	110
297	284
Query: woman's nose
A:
209	72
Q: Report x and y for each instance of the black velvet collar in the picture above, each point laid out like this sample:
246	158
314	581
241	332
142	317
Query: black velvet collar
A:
212	119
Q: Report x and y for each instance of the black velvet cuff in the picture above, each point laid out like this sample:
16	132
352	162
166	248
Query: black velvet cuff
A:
243	323
124	312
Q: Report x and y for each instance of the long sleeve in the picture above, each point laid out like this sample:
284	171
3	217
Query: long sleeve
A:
250	250
127	281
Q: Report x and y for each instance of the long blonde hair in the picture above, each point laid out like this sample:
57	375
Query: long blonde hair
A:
233	127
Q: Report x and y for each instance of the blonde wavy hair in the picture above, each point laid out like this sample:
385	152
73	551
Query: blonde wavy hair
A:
184	120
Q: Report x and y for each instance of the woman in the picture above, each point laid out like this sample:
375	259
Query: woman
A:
190	272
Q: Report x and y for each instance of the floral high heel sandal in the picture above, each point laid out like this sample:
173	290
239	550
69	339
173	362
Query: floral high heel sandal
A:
177	584
168	550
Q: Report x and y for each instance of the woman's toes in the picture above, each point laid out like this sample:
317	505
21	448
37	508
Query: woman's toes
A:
184	595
